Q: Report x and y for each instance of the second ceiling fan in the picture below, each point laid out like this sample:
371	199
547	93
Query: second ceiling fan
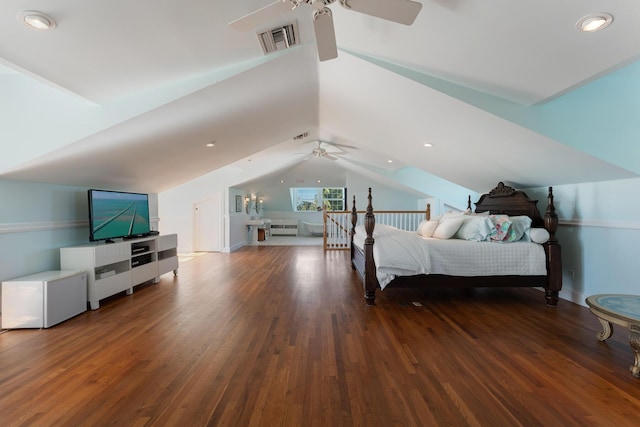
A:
321	152
400	11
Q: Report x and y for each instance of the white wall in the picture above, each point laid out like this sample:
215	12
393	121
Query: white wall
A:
175	206
176	215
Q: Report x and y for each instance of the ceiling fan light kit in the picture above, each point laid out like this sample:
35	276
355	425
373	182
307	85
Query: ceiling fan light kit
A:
399	11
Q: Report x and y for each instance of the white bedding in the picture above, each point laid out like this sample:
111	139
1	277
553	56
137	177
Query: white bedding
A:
404	253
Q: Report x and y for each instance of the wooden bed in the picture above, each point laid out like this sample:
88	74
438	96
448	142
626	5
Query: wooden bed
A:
501	200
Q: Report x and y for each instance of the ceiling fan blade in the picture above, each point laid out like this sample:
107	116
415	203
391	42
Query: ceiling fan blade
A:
400	11
329	156
335	144
325	34
262	16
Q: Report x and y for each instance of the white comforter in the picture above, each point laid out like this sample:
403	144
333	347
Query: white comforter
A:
404	253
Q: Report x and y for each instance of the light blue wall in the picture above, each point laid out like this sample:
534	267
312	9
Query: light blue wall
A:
445	194
277	203
383	196
599	233
599	118
37	219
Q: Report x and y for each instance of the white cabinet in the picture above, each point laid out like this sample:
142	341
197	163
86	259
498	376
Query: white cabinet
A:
115	267
168	254
44	299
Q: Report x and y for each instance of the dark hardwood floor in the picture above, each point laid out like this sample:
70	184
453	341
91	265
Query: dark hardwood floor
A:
280	336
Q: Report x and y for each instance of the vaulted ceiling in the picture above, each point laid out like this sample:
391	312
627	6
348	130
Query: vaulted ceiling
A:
125	94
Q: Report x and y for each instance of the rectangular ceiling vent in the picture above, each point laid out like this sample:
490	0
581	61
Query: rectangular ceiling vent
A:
279	38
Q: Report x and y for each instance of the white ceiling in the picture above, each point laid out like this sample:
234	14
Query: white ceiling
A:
112	56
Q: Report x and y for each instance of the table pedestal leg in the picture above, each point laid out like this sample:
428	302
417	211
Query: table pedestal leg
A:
634	341
607	329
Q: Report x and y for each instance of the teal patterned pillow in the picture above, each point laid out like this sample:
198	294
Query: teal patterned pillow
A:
503	225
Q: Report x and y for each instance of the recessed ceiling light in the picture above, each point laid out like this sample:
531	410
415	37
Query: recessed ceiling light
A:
594	22
428	145
318	181
389	161
211	144
37	20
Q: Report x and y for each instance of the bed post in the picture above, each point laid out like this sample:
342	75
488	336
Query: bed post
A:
370	280
354	221
427	215
469	204
552	250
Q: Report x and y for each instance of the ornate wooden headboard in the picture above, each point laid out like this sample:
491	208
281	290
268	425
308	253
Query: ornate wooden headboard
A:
506	200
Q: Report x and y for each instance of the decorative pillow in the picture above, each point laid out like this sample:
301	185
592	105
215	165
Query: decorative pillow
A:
426	228
539	235
520	226
476	228
450	214
448	227
502	224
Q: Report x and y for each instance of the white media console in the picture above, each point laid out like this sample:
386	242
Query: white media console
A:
115	267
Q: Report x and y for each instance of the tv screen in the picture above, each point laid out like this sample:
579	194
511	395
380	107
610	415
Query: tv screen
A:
114	214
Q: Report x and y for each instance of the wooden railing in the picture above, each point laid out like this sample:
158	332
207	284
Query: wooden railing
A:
337	230
337	225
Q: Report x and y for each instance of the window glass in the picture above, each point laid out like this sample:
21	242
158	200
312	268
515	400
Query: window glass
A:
314	199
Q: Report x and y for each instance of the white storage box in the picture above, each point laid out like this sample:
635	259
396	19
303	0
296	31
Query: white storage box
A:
43	299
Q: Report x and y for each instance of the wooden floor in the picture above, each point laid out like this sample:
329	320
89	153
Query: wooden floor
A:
280	336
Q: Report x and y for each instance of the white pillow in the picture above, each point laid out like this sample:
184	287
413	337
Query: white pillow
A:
426	228
476	228
539	235
450	214
448	227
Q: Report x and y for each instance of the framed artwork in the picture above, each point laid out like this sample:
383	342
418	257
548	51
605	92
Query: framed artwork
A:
238	203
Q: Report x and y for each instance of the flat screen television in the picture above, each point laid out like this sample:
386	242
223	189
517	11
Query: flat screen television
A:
117	214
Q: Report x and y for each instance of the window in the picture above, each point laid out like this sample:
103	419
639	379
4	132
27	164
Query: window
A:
334	198
314	199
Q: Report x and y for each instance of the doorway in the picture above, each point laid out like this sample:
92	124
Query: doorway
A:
207	233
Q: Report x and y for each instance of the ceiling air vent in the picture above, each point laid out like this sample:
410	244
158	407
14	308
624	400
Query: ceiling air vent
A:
279	38
301	136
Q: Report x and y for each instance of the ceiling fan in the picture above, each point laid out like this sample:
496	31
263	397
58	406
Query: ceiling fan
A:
400	11
321	152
